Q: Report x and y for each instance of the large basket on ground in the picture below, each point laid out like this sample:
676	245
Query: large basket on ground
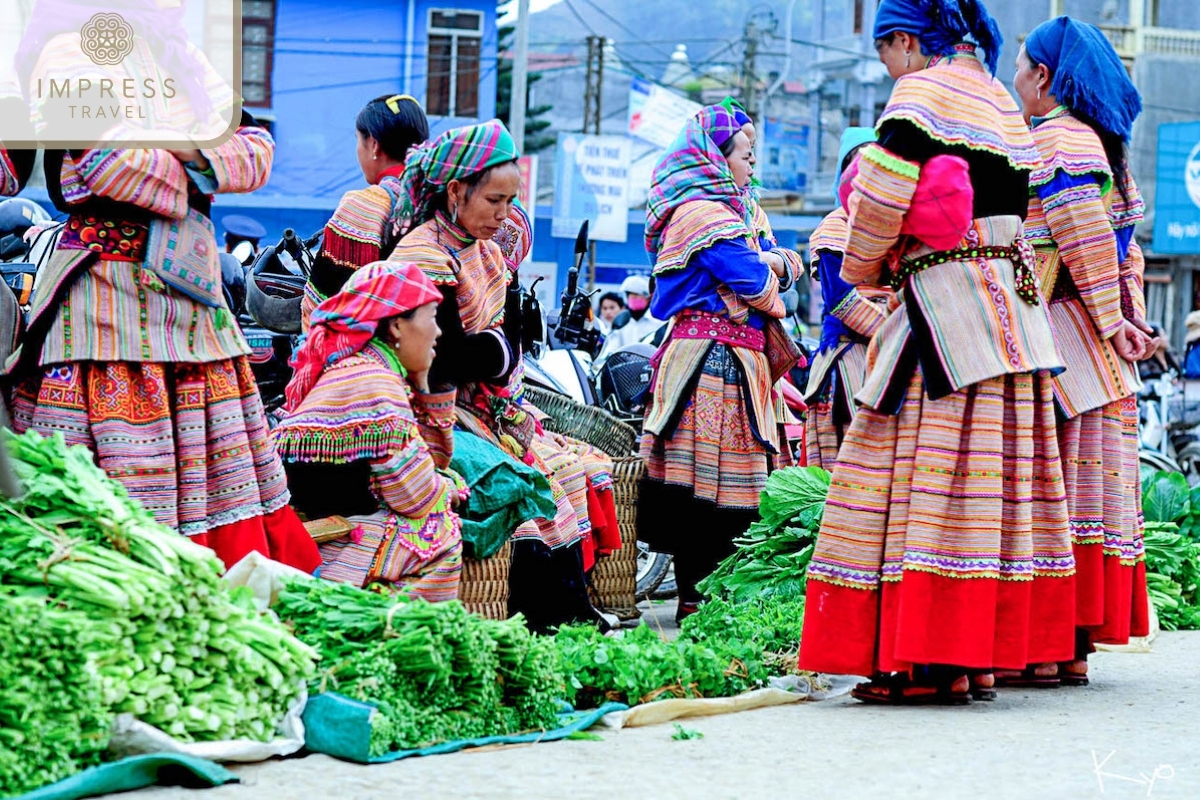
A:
484	586
614	579
586	423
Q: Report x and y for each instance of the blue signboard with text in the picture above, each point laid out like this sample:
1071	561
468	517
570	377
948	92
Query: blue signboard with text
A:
1177	197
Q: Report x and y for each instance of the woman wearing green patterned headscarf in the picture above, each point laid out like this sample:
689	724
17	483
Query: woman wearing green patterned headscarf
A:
460	190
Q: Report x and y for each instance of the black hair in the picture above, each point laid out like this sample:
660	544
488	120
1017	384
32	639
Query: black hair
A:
396	131
727	148
1115	150
613	296
850	157
382	326
883	41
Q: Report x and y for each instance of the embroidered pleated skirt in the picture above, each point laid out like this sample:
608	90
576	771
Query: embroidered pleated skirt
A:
945	537
354	559
831	408
1104	495
188	441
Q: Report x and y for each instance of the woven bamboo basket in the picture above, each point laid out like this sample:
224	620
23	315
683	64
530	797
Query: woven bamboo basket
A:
484	586
614	579
586	423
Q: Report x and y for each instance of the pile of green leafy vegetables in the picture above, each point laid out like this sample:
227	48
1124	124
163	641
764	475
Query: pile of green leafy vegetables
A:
772	557
136	619
434	671
1172	537
724	649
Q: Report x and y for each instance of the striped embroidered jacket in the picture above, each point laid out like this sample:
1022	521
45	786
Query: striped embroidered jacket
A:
961	321
862	310
1081	226
166	306
8	176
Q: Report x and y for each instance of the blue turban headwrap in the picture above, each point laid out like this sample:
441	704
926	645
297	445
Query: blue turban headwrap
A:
941	24
1089	77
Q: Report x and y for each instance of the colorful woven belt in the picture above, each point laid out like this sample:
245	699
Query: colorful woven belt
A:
1020	254
702	325
123	240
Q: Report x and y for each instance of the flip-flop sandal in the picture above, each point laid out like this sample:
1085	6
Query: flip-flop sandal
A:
984	693
1025	679
1073	678
899	690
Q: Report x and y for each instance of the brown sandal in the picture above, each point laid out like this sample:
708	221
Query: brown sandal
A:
1027	678
1070	674
979	689
900	690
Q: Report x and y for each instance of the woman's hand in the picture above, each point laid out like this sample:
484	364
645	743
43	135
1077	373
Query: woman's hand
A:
192	156
1130	343
776	262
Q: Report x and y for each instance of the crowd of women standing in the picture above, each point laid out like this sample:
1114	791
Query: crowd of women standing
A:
972	394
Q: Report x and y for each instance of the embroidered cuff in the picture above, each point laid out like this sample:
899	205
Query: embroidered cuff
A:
435	409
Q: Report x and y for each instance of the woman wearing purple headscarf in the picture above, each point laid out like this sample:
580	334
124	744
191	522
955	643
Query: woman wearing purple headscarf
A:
710	437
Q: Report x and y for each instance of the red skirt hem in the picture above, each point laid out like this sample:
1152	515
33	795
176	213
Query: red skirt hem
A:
279	535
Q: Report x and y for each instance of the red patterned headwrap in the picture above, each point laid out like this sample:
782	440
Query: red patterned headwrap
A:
346	322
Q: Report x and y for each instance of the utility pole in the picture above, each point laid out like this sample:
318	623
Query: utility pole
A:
592	104
749	67
520	75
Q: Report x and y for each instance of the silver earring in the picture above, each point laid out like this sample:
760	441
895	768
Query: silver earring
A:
454	215
907	59
1039	94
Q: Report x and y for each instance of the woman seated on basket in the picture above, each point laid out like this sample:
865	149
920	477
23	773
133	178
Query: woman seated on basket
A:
364	438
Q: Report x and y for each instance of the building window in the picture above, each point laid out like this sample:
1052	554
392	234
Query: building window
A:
858	16
455	47
258	51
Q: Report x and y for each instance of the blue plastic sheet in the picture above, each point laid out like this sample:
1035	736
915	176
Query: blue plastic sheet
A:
341	727
136	772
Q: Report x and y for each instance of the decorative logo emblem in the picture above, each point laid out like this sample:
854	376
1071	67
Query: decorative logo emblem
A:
107	39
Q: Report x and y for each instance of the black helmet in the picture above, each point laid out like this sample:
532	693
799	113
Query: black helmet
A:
625	379
233	282
19	214
273	294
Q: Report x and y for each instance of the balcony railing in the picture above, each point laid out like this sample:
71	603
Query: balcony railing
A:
1131	42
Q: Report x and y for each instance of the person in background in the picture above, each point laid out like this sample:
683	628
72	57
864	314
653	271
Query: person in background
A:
611	304
637	321
944	550
130	350
851	317
368	222
240	228
1191	363
1083	207
364	437
710	435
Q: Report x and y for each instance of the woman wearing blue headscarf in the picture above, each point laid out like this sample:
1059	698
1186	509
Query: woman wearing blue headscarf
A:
848	321
1083	206
944	548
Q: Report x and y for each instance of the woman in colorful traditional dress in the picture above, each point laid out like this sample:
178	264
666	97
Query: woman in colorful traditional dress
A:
460	190
368	223
365	438
851	317
944	547
131	351
1082	210
710	432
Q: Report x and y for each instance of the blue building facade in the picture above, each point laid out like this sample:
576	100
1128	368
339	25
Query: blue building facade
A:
327	60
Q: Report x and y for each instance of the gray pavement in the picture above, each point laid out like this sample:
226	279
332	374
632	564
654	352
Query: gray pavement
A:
1140	719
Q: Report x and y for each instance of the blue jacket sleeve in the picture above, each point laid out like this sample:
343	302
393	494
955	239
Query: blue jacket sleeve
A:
737	265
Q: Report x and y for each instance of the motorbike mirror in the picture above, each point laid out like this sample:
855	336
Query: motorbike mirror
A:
243	251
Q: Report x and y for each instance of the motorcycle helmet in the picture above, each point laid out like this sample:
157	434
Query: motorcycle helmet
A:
273	294
625	379
233	282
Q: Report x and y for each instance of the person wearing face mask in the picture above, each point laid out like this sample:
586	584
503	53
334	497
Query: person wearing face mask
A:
364	437
368	222
460	191
637	321
944	550
711	436
1083	207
